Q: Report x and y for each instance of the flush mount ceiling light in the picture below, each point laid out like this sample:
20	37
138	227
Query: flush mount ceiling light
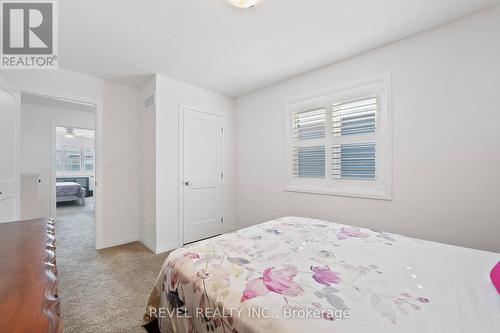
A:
70	133
243	3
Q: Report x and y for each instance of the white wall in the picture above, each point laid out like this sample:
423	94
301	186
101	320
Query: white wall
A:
169	95
36	126
120	135
147	168
446	139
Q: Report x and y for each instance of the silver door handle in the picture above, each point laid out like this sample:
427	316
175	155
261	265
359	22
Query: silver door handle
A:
186	183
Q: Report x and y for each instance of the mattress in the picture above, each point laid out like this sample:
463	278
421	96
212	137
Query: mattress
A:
65	189
299	274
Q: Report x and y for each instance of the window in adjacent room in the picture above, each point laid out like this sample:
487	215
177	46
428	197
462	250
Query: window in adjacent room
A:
75	159
341	144
72	159
59	158
88	161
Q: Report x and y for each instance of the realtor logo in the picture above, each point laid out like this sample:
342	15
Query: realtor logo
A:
29	36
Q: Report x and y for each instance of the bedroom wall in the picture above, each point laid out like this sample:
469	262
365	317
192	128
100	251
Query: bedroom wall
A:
445	86
147	167
120	165
169	95
36	127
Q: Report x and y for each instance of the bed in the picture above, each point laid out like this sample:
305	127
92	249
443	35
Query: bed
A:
70	191
298	274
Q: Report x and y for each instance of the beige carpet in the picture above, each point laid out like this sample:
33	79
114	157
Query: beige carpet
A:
100	291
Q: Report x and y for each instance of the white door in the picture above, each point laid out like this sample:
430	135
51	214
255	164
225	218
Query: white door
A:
9	176
202	185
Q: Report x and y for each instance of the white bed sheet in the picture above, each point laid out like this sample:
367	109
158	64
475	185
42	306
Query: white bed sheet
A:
389	283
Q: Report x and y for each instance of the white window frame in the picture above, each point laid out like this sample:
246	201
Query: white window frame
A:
82	159
85	158
381	188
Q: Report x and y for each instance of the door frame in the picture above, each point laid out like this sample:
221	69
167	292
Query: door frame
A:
53	157
11	89
98	174
182	107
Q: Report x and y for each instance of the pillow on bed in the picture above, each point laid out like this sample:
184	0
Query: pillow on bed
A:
495	276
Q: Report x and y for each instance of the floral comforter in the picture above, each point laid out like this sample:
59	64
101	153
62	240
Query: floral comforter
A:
298	274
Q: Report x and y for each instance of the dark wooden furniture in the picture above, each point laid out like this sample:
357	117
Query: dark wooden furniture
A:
28	277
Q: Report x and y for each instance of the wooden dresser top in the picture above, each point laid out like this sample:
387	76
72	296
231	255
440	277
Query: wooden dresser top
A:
28	283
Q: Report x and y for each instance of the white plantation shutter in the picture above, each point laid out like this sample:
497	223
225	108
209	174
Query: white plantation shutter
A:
308	125
308	157
354	161
341	143
355	117
309	162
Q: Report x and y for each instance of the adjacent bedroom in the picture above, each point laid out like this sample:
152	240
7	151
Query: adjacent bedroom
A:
75	180
250	166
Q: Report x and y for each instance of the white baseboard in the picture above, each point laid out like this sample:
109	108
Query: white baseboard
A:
118	241
150	245
161	248
229	228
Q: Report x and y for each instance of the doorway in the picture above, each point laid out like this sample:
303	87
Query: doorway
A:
201	175
75	179
60	162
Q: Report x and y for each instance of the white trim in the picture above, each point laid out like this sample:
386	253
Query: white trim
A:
345	192
181	169
162	248
157	249
379	189
99	128
11	89
119	241
229	228
53	153
150	245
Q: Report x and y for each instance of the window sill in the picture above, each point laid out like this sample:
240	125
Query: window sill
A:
352	193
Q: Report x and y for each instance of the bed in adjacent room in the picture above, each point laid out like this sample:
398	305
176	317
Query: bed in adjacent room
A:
70	191
298	274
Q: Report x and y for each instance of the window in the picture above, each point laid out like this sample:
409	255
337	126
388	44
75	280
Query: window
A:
74	159
356	119
88	162
341	144
308	157
59	158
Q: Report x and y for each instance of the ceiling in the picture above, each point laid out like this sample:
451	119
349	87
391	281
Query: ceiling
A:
79	132
233	51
